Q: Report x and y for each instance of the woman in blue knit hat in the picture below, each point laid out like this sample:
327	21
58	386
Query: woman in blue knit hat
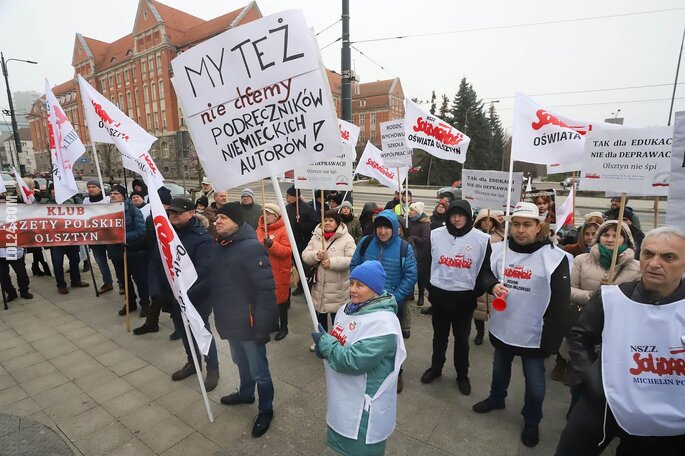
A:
361	378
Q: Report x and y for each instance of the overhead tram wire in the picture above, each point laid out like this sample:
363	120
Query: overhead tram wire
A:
511	26
584	91
652	100
328	27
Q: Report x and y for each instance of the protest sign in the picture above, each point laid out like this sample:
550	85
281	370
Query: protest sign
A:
545	200
395	152
558	168
488	189
426	132
545	137
371	165
65	147
273	112
675	216
335	173
48	225
636	161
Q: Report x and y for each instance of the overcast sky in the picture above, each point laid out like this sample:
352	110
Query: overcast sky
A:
580	56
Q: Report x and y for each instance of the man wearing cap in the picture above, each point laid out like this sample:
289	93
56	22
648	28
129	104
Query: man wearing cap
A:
95	196
612	212
535	318
244	308
459	272
251	210
632	389
139	200
220	199
302	221
206	190
198	243
135	252
397	257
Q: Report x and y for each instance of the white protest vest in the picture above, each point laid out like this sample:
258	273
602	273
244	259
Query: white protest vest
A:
346	397
527	276
643	364
456	261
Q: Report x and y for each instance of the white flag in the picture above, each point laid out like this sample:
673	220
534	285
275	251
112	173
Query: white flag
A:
27	194
107	124
424	131
564	213
349	132
545	137
65	148
177	266
371	165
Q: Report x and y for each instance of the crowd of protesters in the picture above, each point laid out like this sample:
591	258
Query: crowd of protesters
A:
560	293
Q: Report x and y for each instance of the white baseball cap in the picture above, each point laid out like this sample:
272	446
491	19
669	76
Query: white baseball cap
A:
526	210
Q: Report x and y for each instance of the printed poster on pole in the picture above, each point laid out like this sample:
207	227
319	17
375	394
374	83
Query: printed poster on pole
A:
488	189
394	150
675	216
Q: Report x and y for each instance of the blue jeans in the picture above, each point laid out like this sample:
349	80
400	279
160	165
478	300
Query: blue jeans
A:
212	357
100	254
534	373
253	368
57	255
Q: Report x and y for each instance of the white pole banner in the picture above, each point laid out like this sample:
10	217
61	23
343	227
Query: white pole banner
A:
488	189
335	173
558	168
65	147
636	161
255	110
675	216
545	137
27	193
371	165
395	151
427	132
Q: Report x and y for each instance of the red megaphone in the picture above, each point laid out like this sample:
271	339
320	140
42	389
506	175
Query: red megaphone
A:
500	302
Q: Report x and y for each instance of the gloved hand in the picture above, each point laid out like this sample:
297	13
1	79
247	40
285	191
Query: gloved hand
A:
268	242
316	337
262	340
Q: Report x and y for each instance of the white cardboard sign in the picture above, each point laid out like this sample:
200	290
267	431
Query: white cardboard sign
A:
636	161
395	152
675	216
488	189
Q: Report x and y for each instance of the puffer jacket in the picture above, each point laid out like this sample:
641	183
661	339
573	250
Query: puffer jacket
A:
135	234
420	235
400	273
332	287
280	256
374	358
365	218
242	286
251	214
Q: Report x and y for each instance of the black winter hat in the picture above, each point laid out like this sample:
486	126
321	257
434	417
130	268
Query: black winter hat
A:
292	191
164	195
202	200
382	221
233	211
136	192
120	189
461	206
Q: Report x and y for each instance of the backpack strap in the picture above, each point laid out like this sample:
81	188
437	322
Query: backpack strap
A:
365	245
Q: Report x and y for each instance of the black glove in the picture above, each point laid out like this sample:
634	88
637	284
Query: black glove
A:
268	242
316	337
263	340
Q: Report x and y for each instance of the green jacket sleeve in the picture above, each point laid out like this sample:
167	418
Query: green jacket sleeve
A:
358	358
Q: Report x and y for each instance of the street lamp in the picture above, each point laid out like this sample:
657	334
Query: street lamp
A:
15	128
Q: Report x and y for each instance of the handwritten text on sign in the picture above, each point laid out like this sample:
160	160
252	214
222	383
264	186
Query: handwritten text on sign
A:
632	160
245	59
395	151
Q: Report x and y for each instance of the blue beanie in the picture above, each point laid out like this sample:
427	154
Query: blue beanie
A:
371	274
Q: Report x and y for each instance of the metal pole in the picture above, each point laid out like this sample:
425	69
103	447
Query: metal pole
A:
675	83
346	64
15	128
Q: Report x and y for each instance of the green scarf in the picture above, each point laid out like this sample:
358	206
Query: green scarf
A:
605	254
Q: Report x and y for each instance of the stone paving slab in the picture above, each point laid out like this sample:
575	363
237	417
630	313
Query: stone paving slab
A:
68	366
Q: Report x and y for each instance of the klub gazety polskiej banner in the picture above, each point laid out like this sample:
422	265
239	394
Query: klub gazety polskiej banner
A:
49	225
548	138
257	101
427	132
335	173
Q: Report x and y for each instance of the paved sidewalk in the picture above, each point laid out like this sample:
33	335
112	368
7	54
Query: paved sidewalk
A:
67	362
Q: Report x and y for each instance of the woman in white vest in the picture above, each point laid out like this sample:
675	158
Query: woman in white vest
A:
536	316
634	389
361	378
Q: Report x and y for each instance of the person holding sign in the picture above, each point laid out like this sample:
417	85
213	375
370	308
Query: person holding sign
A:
536	315
632	389
363	355
459	273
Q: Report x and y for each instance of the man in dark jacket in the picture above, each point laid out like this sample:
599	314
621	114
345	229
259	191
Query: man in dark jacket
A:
198	244
536	316
460	271
639	326
612	212
302	221
393	202
245	309
251	210
135	245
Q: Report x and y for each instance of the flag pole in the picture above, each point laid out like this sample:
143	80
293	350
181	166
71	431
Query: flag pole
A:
508	212
573	190
656	211
126	291
619	231
266	230
198	371
92	274
296	256
323	240
97	165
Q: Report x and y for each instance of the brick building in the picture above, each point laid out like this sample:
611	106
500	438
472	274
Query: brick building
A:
134	73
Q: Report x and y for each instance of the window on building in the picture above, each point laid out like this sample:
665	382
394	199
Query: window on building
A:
147	117
111	81
151	65
145	94
372	118
159	64
156	121
128	99
180	117
362	137
153	91
165	149
137	97
103	83
373	135
161	89
143	66
118	78
126	75
164	119
121	102
362	103
361	119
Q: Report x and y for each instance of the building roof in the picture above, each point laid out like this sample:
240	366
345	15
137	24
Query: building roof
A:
177	22
117	52
24	135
